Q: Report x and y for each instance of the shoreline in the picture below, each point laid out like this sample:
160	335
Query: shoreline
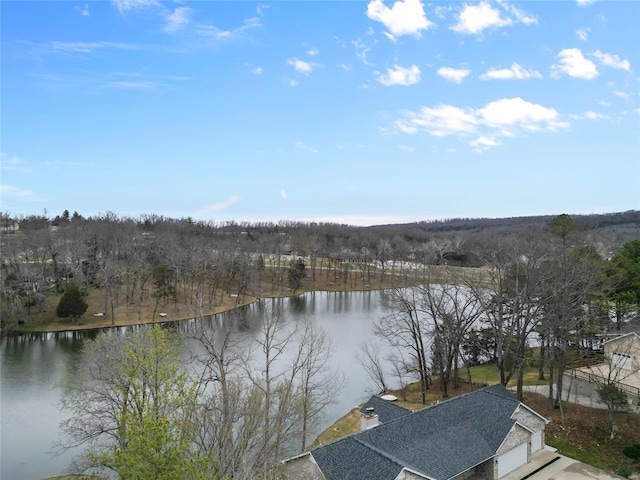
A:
61	327
104	322
135	314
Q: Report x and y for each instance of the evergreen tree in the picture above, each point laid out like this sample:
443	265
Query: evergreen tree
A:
72	303
624	276
296	273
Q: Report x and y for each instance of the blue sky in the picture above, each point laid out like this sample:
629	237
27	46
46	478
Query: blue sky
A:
344	111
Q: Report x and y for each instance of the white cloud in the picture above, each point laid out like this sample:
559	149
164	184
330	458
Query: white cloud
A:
256	70
84	11
585	3
10	190
313	52
261	8
406	126
583	34
178	19
137	85
515	72
283	194
593	116
440	121
406	148
300	65
507	117
13	164
66	163
520	16
217	207
483	143
361	51
304	146
345	67
292	83
621	94
211	31
637	110
473	19
455	75
574	64
405	17
400	76
516	113
612	60
88	47
125	5
441	11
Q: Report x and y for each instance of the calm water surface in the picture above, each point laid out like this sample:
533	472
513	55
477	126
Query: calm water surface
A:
32	367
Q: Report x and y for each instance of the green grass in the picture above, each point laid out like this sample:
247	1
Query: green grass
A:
571	451
489	374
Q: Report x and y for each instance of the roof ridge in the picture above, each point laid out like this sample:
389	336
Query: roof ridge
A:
380	452
429	407
388	402
511	398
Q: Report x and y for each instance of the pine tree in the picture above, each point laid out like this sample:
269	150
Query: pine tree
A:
72	303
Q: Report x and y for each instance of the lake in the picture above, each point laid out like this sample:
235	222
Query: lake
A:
34	365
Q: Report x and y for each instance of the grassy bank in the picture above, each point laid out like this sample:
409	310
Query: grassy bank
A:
99	313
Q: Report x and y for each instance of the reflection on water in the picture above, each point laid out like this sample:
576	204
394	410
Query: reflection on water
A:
32	365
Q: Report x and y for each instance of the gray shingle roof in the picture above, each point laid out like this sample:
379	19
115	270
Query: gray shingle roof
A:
439	442
385	409
350	459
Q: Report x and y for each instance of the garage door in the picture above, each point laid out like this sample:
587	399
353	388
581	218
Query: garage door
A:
536	441
514	458
621	361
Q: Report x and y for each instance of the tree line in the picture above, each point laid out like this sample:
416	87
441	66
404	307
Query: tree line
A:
552	289
234	412
175	261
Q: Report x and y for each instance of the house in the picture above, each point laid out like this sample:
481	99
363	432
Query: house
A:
623	352
483	434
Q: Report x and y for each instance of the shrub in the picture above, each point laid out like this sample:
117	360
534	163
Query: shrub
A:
632	451
623	472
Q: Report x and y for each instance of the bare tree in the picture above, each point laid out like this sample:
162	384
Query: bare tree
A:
369	358
404	328
229	432
453	310
317	383
512	300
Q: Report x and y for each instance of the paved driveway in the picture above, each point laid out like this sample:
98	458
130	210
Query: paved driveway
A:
564	468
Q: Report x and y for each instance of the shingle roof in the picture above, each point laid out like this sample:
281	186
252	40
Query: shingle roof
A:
439	442
349	458
385	409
